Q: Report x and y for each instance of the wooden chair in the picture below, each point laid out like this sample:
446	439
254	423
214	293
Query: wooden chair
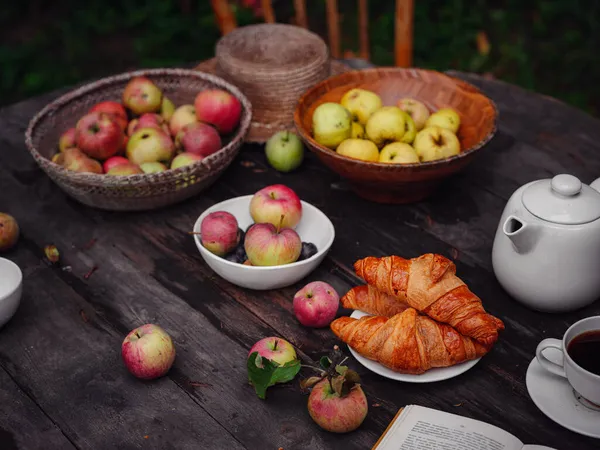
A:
403	25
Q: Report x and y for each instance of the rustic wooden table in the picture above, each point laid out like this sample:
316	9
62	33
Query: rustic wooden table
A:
62	382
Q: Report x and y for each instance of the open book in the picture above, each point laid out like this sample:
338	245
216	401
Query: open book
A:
419	428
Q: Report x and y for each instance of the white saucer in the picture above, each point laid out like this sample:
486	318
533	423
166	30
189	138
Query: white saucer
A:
437	374
555	397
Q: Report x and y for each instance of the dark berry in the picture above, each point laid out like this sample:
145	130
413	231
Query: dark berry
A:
308	249
240	252
242	235
232	257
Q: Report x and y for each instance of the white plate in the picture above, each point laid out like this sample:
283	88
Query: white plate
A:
555	397
437	374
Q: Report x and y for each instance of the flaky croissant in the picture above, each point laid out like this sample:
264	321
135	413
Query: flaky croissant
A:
407	342
429	284
368	299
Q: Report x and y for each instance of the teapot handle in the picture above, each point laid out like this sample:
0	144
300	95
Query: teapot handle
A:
596	184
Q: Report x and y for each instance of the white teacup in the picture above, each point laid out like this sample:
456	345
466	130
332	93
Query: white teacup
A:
583	381
11	284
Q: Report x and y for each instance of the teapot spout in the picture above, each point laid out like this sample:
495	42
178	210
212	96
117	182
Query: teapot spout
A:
522	234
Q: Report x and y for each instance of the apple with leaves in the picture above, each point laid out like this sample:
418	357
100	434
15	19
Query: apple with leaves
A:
336	402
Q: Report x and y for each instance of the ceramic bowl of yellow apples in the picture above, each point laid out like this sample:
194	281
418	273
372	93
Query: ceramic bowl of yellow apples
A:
395	134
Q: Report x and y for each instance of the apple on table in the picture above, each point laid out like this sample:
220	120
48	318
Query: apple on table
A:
316	304
9	232
148	352
284	151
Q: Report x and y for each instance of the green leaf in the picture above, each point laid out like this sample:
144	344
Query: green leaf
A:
337	384
341	369
325	362
263	373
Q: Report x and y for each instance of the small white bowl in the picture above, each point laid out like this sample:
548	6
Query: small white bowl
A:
314	227
11	286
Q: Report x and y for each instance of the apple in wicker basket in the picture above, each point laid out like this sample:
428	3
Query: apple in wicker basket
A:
67	140
181	117
148	120
116	109
218	108
141	96
198	138
125	169
185	159
150	145
99	135
77	161
113	162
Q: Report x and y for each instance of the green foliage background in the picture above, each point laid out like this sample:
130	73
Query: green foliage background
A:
546	45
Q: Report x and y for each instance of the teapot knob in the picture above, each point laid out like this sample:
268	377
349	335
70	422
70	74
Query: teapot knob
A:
566	185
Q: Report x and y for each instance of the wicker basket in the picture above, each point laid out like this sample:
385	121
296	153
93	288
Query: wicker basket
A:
133	192
273	65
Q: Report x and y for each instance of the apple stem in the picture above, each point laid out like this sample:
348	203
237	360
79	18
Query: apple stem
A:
194	232
280	223
137	335
286	137
275	345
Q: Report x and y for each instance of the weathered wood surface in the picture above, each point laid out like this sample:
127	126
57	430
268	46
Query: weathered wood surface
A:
62	348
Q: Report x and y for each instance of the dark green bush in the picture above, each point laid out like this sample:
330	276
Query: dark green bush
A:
547	46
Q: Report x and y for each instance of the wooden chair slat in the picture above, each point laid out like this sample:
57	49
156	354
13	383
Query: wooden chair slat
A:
404	32
333	27
300	9
363	29
224	15
268	13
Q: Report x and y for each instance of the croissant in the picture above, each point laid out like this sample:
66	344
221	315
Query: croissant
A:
429	284
371	300
407	342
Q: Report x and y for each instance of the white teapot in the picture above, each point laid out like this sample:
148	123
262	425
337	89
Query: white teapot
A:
546	252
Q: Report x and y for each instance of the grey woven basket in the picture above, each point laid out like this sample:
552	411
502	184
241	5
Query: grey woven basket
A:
133	192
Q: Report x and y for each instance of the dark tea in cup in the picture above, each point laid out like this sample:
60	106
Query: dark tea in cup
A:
584	350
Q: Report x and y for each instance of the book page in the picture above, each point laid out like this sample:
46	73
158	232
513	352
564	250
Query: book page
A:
420	428
537	447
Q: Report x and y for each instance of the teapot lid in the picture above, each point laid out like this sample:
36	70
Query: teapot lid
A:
564	199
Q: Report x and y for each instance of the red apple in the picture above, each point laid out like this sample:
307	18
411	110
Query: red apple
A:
125	169
67	140
114	108
77	161
114	161
219	232
9	232
316	304
150	145
267	245
148	120
219	108
274	349
141	96
336	413
148	352
185	159
272	202
99	135
198	138
181	117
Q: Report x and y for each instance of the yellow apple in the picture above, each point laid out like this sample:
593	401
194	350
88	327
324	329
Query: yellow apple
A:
446	118
435	142
359	149
410	130
358	131
331	124
386	125
415	109
398	153
361	104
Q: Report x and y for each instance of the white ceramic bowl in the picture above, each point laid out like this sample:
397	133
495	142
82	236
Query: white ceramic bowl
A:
314	227
11	286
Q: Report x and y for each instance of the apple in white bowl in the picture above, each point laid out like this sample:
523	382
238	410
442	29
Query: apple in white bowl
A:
314	228
219	232
272	202
267	245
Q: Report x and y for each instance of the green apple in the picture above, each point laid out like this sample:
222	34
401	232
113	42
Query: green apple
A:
398	153
359	149
150	145
167	108
358	131
410	129
386	125
153	167
361	104
331	124
185	159
446	118
434	143
415	109
284	151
